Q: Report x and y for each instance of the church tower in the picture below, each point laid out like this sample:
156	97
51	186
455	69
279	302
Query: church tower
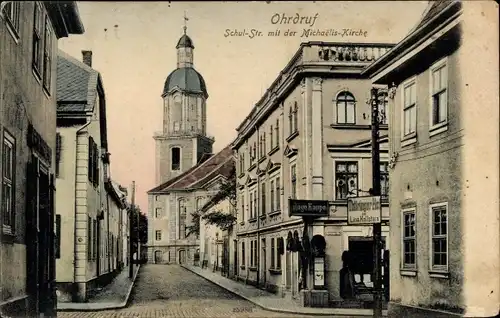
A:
183	140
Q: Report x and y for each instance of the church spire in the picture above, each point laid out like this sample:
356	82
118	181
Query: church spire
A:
185	22
185	48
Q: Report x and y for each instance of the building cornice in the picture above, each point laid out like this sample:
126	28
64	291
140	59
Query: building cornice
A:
309	61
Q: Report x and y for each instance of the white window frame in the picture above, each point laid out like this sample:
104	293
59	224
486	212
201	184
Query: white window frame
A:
157	215
11	142
156	235
346	94
12	16
439	268
410	138
272	248
360	174
438	128
404	266
243	253
252	192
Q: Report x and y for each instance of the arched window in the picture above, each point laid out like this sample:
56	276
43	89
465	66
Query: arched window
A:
176	158
383	108
346	108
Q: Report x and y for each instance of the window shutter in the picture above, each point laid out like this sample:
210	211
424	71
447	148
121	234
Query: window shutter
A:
96	165
58	153
91	160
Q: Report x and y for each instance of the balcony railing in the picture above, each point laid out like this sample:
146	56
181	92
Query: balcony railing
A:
348	53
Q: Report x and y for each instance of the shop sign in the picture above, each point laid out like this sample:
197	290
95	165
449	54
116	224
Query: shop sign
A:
364	210
317	208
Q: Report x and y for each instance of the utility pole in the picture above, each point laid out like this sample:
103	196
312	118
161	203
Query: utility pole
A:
131	229
377	227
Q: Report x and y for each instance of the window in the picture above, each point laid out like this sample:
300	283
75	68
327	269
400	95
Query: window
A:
384	180
157	198
278	195
273	253
383	108
158	235
290	121
272	196
11	13
47	56
253	253
346	108
277	133
37	39
264	145
293	179
409	239
263	199
8	173
439	232
242	207
409	109
295	117
278	255
157	212
251	205
176	126
182	220
176	158
243	253
93	165
271	138
439	82
58	153
346	180
255	204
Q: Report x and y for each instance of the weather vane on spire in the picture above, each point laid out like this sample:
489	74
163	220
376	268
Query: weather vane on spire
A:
185	21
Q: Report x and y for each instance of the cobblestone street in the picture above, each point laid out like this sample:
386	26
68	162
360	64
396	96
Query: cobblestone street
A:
171	291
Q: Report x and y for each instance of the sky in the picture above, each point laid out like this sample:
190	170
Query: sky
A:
133	45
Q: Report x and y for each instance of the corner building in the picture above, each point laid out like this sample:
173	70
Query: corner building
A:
444	148
309	137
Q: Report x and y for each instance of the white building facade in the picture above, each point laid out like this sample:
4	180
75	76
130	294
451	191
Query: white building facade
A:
309	138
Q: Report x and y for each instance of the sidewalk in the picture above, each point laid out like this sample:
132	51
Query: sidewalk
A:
113	296
272	302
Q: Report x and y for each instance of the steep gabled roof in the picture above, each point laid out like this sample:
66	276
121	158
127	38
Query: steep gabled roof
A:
76	84
437	12
201	174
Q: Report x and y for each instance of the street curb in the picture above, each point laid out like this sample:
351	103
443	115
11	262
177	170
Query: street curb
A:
103	306
284	311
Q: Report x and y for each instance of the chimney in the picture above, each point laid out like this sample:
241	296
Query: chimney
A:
87	57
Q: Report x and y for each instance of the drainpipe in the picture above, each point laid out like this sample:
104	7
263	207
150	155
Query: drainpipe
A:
76	171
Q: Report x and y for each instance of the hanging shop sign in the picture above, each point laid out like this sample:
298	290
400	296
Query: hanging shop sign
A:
364	210
316	208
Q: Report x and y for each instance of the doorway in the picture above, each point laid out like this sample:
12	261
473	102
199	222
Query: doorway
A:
182	256
158	257
361	250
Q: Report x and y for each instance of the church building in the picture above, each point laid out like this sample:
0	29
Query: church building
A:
187	172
